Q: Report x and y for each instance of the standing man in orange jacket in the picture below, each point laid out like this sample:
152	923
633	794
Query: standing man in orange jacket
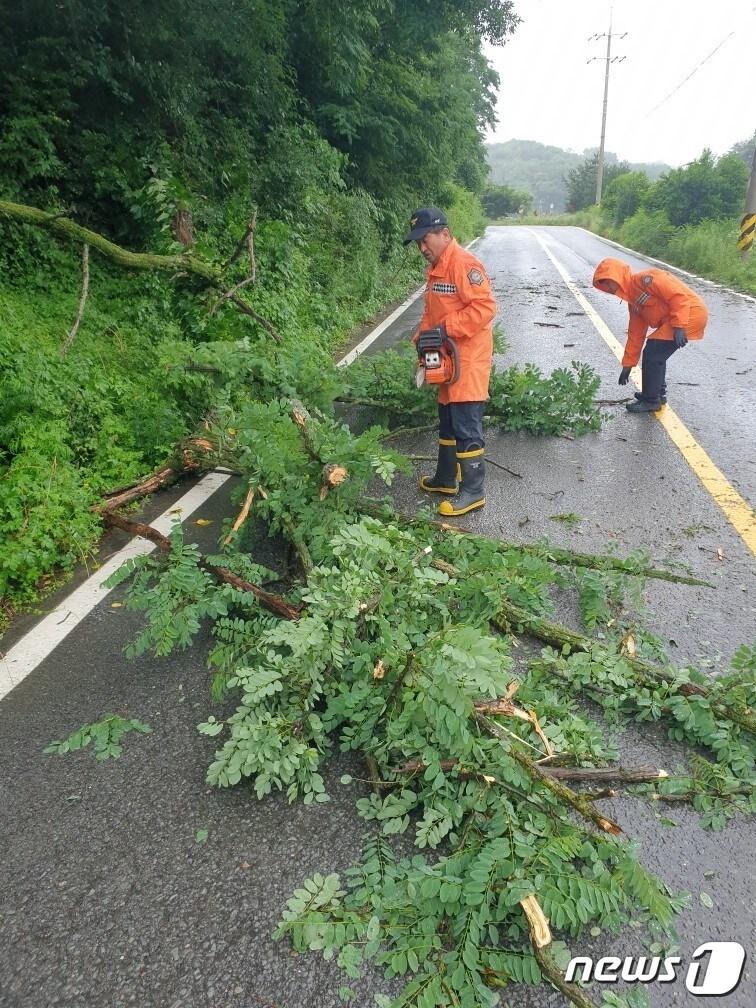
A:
660	301
458	300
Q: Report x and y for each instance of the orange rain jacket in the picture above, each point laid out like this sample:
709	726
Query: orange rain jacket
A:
657	300
458	294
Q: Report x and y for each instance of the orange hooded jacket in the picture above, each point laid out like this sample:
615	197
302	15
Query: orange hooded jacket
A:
657	300
458	294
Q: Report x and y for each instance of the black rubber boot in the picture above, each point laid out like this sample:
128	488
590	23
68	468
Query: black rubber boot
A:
644	406
662	397
649	399
470	495
445	479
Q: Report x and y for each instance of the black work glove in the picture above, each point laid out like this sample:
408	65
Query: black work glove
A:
430	339
678	335
624	375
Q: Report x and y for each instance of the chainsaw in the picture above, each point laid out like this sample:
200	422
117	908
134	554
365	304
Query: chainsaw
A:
438	358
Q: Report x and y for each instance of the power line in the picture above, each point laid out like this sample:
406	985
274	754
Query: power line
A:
695	69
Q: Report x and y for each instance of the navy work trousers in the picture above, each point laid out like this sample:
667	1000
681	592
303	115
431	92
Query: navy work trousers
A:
462	421
656	353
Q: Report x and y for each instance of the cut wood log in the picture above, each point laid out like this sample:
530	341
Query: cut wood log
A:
614	775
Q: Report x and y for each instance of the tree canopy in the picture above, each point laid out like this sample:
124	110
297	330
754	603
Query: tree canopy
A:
110	107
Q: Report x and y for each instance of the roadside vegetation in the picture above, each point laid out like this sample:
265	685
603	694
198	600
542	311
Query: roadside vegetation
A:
690	217
195	212
284	152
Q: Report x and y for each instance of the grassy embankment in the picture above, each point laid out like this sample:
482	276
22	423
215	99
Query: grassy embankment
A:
708	249
113	407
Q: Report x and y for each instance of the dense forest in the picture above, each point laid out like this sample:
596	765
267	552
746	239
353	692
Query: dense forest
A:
168	127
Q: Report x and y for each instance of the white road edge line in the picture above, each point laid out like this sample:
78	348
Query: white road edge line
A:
669	266
373	335
17	663
38	643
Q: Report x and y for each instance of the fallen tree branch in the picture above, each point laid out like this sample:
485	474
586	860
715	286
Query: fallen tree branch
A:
294	536
553	554
185	262
123	257
229	294
82	300
566	795
615	775
555	976
242	516
273	603
647	674
198	453
249	310
245	242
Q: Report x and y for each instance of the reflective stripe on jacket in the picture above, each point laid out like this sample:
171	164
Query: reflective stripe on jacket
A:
458	294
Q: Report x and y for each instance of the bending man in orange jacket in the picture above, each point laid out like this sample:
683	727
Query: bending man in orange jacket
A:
660	301
458	299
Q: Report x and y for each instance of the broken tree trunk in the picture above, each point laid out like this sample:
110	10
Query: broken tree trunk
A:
273	603
198	453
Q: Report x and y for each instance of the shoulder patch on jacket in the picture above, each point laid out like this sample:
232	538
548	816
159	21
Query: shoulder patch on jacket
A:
648	280
475	277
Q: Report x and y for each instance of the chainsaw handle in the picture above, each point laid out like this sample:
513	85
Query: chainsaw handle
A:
454	352
430	339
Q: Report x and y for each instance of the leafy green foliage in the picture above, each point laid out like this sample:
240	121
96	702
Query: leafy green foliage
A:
624	195
542	170
521	398
72	427
581	181
389	658
106	734
503	200
706	189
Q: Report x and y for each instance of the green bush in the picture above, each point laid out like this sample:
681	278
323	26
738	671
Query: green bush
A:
706	189
624	196
647	232
710	248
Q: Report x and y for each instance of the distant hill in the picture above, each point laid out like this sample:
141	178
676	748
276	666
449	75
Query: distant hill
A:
541	169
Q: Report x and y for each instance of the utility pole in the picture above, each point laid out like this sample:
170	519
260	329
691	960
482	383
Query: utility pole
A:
608	60
748	224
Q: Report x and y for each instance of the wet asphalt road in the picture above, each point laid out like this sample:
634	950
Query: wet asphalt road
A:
106	898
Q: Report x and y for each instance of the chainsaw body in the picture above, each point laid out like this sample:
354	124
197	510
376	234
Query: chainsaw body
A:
438	358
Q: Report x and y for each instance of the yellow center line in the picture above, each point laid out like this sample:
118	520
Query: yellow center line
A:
736	509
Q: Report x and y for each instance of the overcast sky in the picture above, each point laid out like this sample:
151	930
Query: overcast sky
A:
550	93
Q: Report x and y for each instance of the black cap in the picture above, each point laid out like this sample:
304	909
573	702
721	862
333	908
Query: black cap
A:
424	220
